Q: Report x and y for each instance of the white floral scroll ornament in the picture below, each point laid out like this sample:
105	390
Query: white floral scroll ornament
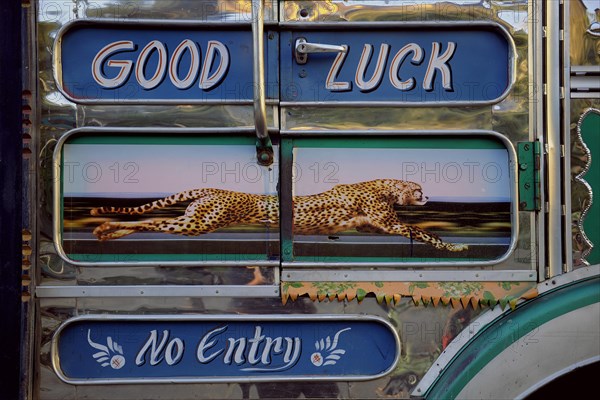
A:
329	347
111	354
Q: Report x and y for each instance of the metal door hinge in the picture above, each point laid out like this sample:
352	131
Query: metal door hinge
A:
528	154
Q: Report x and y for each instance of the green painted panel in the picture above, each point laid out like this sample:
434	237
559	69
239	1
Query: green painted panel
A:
590	133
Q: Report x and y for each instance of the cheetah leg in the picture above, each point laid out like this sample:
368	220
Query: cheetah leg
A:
182	225
413	232
194	222
416	233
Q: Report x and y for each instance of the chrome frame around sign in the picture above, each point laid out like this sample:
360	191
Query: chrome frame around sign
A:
390	25
57	198
512	157
57	58
223	318
57	64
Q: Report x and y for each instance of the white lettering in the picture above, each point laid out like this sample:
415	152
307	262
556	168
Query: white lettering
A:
205	345
161	66
214	47
397	61
250	350
155	350
175	345
192	72
439	62
254	343
365	58
237	345
334	71
211	75
124	66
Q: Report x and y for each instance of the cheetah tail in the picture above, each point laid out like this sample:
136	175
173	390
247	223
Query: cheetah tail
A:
155	205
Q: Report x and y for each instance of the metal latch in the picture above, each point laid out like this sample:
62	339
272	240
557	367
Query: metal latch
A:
528	154
302	49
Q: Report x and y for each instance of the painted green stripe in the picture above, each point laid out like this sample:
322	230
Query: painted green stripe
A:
162	139
382	259
590	126
506	330
411	142
165	257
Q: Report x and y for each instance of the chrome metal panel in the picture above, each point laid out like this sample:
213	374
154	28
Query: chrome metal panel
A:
584	40
423	332
158	291
342	275
514	117
553	136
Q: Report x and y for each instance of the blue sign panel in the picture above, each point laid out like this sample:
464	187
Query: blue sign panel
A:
436	64
134	349
102	62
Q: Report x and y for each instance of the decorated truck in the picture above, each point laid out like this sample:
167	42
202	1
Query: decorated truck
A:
278	199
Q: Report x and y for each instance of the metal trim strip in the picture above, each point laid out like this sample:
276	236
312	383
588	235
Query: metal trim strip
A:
229	291
343	275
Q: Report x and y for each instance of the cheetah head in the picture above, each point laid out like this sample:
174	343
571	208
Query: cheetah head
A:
408	193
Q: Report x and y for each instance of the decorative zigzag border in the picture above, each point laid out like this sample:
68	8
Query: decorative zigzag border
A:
579	178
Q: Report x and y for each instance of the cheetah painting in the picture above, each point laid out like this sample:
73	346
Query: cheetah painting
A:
364	206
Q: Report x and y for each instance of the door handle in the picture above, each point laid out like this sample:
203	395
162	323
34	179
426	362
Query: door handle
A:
302	49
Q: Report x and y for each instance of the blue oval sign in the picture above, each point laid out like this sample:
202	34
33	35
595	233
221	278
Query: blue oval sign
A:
397	64
106	62
92	350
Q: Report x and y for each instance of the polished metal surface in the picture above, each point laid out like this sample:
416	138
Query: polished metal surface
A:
343	275
147	291
584	40
553	143
176	290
